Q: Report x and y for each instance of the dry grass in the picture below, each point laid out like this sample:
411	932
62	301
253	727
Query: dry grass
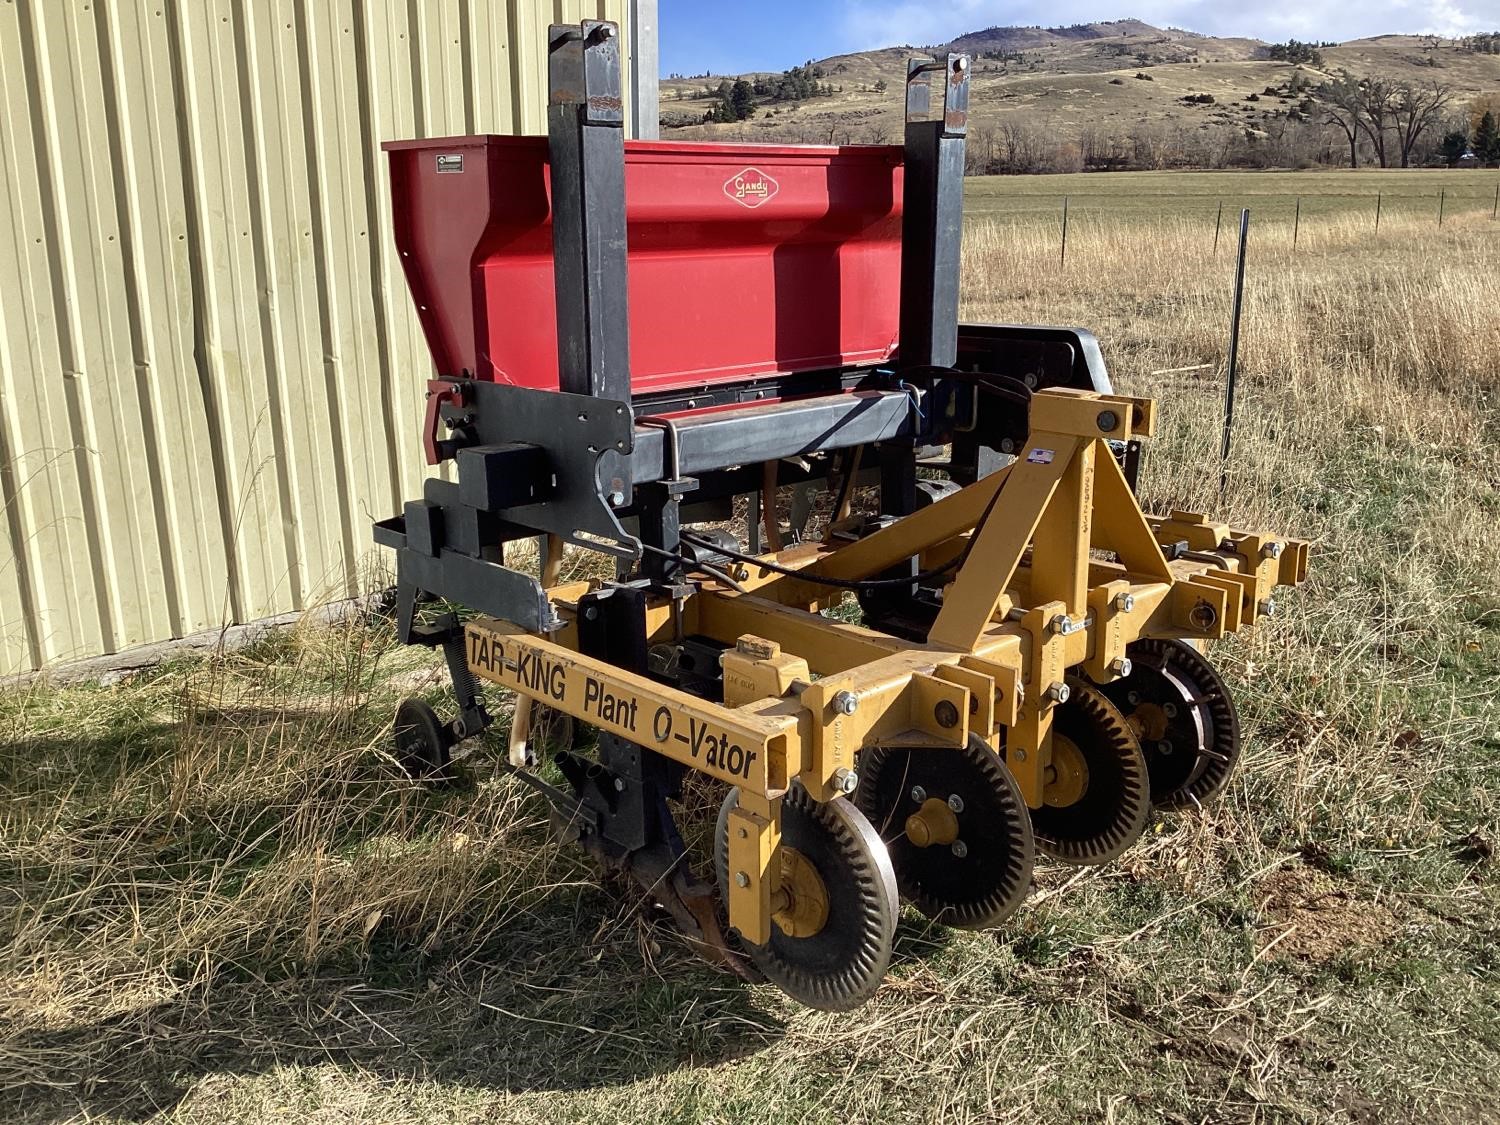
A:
220	902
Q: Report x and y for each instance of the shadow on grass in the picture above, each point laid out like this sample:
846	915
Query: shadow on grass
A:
575	990
576	1018
567	996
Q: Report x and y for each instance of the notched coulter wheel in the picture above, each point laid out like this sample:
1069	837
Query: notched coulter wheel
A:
1097	795
423	742
1182	712
834	923
957	828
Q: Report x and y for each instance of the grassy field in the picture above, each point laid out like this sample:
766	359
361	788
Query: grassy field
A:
221	903
1345	197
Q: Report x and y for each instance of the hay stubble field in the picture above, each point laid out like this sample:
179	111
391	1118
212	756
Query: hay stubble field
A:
221	903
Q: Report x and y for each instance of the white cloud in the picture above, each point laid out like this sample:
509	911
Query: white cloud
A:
883	23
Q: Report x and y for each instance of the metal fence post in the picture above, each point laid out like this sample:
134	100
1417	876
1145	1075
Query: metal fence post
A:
1064	259
1379	198
1297	223
1234	352
1218	225
1442	204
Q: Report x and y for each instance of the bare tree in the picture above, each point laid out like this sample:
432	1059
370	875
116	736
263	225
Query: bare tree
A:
1021	147
1094	146
1148	146
1341	107
979	151
1377	108
1415	110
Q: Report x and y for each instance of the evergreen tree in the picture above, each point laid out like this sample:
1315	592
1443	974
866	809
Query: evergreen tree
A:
735	103
742	100
1455	144
1294	51
1487	138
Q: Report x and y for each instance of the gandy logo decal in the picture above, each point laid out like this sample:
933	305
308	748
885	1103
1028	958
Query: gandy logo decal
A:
752	187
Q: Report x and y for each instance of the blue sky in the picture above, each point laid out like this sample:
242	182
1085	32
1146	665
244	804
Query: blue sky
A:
775	34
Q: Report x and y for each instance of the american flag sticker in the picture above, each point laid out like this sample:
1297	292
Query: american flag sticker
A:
1040	456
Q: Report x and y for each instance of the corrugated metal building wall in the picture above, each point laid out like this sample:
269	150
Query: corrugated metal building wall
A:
210	373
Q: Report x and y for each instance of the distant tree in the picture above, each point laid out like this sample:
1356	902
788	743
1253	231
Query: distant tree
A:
796	84
742	100
1455	144
1415	110
1341	100
1487	139
735	102
1485	103
1294	51
1377	113
1362	107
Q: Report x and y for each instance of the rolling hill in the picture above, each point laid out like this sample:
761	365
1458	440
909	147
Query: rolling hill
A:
1096	95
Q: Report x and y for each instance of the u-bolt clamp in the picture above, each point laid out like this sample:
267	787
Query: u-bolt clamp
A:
672	441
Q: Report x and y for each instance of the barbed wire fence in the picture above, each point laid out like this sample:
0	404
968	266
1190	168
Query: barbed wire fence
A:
1072	212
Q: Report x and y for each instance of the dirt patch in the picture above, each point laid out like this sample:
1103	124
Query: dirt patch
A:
1309	915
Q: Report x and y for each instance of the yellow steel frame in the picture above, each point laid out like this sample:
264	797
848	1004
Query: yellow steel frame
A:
1031	600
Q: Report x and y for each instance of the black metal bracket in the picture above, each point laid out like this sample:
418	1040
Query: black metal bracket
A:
933	212
586	150
770	431
483	586
1040	356
446	631
588	443
627	788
